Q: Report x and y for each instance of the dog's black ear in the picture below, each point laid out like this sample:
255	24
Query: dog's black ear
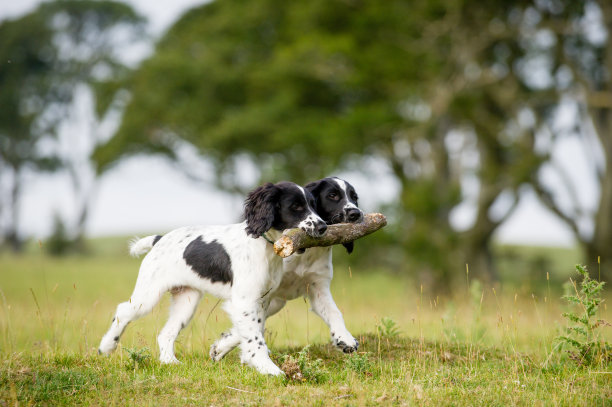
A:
349	247
315	188
259	209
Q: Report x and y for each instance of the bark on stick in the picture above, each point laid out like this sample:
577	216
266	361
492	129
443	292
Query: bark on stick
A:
294	239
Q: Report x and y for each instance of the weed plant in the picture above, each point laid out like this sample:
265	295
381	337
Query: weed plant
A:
303	368
138	358
388	328
583	336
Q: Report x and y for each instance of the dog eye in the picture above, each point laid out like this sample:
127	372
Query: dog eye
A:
333	196
297	207
354	197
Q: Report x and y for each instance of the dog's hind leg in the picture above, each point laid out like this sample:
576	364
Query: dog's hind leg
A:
140	304
182	307
222	346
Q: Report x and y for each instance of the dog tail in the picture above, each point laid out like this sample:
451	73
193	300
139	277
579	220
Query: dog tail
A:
138	246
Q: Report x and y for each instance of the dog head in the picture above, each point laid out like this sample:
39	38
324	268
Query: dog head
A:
281	206
336	202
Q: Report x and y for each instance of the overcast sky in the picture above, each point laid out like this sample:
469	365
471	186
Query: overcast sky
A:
147	194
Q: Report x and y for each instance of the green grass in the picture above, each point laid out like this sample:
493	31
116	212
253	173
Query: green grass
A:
483	346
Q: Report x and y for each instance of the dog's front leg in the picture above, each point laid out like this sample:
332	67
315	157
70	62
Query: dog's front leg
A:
230	339
248	315
323	305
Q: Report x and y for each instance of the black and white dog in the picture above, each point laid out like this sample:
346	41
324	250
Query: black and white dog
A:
233	262
310	273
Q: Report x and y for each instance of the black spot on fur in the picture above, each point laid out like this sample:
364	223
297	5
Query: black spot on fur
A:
156	239
209	260
116	338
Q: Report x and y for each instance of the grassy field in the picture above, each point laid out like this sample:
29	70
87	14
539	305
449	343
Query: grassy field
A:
483	346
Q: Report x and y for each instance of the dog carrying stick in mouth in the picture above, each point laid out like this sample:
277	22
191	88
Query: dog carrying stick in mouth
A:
309	274
235	263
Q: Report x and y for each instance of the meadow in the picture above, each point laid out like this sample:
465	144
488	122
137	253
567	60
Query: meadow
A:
480	345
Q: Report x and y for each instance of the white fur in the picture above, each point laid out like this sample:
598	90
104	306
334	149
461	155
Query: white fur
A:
139	246
257	271
342	184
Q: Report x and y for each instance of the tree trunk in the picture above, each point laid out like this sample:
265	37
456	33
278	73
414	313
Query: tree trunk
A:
601	115
11	234
601	243
85	206
480	262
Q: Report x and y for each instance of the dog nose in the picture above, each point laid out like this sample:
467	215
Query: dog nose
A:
321	228
353	214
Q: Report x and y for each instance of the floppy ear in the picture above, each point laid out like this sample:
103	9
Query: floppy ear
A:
311	186
259	209
315	188
349	247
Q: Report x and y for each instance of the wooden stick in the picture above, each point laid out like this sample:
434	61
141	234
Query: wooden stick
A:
294	239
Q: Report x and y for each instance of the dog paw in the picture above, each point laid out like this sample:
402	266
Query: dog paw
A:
346	345
218	351
107	346
262	363
215	353
269	369
223	346
169	360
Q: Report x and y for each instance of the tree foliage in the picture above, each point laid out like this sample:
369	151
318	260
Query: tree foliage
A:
445	93
25	66
306	88
45	57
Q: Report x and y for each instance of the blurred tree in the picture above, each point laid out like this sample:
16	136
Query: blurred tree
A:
435	89
26	61
48	58
572	41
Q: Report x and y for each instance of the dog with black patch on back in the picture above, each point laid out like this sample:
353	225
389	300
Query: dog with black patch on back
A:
235	263
310	273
